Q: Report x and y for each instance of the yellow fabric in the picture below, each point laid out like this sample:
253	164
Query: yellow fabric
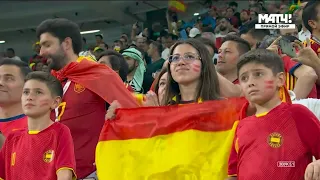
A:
33	132
86	58
189	154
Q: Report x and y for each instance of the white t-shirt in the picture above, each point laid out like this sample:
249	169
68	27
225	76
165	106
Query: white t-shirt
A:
303	35
165	54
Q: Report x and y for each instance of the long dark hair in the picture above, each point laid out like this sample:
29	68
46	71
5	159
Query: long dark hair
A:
208	88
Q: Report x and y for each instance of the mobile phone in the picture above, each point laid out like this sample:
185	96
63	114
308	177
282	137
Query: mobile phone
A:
287	47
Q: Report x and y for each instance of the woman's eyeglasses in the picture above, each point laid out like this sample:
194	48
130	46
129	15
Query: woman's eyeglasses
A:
187	57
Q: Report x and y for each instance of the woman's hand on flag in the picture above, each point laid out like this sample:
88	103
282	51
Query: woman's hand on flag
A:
112	109
151	99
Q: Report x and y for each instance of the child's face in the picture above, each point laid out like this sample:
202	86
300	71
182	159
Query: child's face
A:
258	83
37	99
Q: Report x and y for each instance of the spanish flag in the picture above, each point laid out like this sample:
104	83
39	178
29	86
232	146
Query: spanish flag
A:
99	79
191	141
177	5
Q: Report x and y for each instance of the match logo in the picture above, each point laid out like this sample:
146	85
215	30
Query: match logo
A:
275	21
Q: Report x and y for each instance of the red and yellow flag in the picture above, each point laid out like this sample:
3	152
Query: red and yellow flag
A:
177	5
192	141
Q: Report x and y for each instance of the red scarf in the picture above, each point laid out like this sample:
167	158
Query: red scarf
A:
99	79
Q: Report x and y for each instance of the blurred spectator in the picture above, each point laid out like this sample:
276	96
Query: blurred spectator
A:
273	7
304	33
210	46
115	61
253	15
99	39
84	44
234	6
36	57
245	18
211	18
208	33
289	32
284	8
223	28
39	66
252	2
11	54
97	51
118	45
104	46
233	19
194	33
252	35
167	41
137	69
255	8
124	40
155	50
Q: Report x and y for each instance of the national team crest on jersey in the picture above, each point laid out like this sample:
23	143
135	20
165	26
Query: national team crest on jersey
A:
275	140
48	156
79	88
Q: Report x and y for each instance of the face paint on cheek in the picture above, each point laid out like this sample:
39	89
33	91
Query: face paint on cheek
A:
196	67
44	103
269	84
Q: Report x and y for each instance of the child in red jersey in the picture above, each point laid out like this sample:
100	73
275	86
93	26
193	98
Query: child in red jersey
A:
278	142
45	151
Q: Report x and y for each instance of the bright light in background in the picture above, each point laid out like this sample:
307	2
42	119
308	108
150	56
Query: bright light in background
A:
89	32
196	14
1	42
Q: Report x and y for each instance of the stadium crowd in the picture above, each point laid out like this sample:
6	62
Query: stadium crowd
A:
54	108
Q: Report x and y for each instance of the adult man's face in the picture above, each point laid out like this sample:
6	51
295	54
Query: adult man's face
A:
141	43
297	15
228	57
11	85
167	42
289	32
244	16
224	24
10	54
229	13
52	49
251	40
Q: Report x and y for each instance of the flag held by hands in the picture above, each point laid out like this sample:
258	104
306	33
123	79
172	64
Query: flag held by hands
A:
190	141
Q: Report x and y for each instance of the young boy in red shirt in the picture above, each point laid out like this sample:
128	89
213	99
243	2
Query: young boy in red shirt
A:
278	142
44	151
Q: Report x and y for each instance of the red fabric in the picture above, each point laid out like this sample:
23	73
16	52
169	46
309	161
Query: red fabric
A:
37	156
290	66
316	48
236	81
84	113
130	89
218	42
99	79
14	125
277	136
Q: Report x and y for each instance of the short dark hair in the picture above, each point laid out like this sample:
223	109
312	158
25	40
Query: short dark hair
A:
117	62
310	13
61	29
11	49
265	57
99	35
229	8
158	46
52	82
233	4
243	45
118	41
24	68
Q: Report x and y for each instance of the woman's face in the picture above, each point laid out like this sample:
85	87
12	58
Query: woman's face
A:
162	86
185	64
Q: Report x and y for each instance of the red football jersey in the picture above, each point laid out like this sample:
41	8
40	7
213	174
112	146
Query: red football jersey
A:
290	66
277	145
84	113
315	45
37	156
15	123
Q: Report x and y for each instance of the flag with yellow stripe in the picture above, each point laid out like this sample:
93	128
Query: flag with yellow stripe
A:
177	5
172	142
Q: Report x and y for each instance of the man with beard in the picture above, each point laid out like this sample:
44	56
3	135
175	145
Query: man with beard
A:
87	86
297	16
136	69
223	28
